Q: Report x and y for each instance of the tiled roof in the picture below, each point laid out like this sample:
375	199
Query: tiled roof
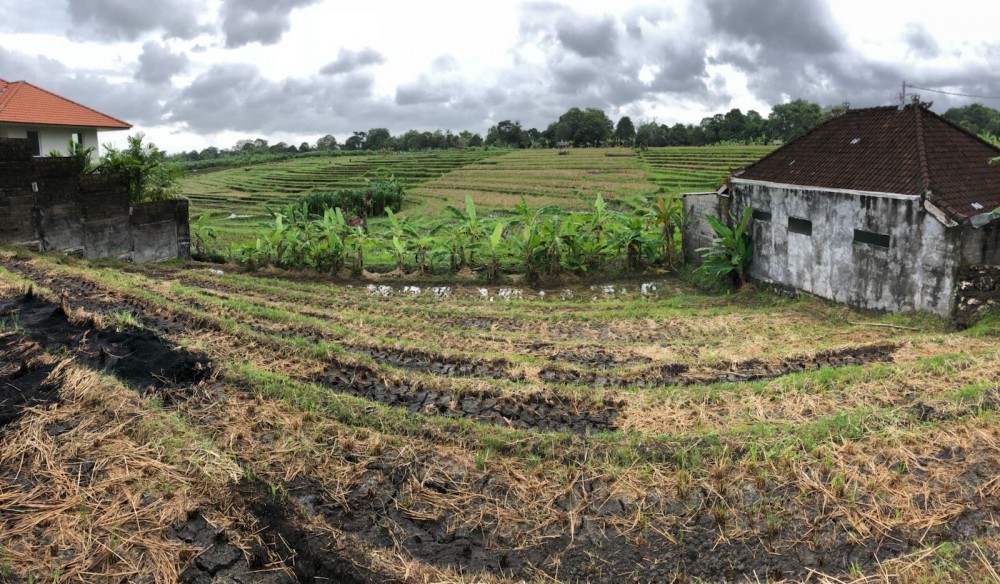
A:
24	103
909	151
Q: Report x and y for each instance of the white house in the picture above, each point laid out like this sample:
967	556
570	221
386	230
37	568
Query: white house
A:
48	120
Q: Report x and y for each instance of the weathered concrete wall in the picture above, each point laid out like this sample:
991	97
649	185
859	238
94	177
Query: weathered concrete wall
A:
107	228
46	205
978	291
916	272
981	246
699	233
154	231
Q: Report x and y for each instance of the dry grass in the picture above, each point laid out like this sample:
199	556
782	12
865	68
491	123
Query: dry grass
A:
875	454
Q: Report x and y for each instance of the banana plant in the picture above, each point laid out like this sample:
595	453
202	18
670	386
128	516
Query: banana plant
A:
202	234
494	249
396	232
332	228
424	246
529	248
631	238
358	239
731	250
467	234
668	214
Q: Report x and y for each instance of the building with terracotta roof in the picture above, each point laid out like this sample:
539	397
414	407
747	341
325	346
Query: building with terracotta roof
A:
50	121
877	208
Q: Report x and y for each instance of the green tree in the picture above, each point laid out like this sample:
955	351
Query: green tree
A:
788	121
150	178
976	118
589	127
356	142
506	134
377	139
327	142
625	131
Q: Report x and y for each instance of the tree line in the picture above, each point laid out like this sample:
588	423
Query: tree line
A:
589	127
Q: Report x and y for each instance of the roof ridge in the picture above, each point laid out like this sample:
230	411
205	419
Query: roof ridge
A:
925	173
124	123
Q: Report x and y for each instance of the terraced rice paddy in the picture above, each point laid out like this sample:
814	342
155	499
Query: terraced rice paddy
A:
238	198
697	168
287	428
543	177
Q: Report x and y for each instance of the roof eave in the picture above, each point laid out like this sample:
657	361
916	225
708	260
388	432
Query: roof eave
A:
51	125
750	181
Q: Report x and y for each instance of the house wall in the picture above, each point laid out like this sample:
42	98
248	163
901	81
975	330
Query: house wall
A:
916	272
46	205
699	233
53	137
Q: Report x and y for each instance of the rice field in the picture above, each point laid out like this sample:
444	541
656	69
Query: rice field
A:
237	199
684	169
542	177
185	423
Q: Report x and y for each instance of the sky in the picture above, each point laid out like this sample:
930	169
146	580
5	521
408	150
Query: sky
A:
198	73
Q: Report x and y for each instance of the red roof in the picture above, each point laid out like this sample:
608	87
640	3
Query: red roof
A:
908	151
23	103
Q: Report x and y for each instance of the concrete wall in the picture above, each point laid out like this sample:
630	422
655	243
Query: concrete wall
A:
916	272
699	233
981	246
46	205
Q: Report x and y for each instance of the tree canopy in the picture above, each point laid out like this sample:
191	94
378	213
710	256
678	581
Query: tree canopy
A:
976	118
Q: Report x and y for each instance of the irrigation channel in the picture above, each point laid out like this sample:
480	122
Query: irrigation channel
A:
186	423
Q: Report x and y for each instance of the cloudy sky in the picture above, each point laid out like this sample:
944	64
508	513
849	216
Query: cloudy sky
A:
195	73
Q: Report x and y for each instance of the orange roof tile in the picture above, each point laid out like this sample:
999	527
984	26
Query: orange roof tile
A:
24	103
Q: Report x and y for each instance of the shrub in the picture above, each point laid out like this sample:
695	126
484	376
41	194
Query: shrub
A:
371	199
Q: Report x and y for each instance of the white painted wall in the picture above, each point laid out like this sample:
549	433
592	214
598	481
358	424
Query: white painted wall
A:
53	137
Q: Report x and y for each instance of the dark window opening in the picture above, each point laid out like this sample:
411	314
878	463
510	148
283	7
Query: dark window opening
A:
77	137
36	146
876	239
761	215
802	226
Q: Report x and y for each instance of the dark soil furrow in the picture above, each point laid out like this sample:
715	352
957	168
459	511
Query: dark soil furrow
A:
23	375
751	370
593	549
136	356
540	411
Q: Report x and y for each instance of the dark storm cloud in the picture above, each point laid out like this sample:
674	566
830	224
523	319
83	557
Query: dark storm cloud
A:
261	21
239	98
589	62
129	20
921	42
803	26
589	38
422	92
157	64
348	60
792	49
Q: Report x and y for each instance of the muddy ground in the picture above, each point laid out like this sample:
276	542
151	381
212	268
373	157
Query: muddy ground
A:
415	507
